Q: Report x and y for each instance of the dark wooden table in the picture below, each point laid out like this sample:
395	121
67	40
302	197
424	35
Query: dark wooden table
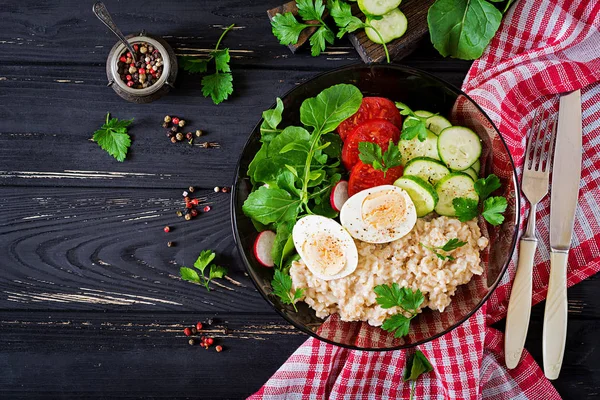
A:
91	304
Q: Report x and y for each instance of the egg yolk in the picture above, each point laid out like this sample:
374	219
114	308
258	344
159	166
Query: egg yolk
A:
325	253
384	209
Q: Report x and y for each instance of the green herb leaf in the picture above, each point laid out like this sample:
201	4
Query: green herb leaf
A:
217	271
218	86
193	64
286	28
282	288
493	208
414	127
371	153
334	150
205	258
310	10
271	120
281	249
270	205
452	244
318	41
222	60
188	274
342	15
113	137
486	186
330	107
399	324
465	208
416	365
389	296
411	301
462	28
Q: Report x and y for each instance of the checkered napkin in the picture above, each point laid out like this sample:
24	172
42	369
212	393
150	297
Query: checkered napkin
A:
542	48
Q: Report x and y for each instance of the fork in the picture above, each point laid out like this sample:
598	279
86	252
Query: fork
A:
534	186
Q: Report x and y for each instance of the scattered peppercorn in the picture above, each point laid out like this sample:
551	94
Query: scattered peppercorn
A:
206	145
170	244
173	139
175	121
194	330
187	332
199	133
165	124
188	217
224	189
191	189
206	209
199	326
179	136
210	341
226	331
167	119
167	229
185	196
194	212
188	205
217	189
194	201
192	342
210	321
181	123
174	129
179	213
218	349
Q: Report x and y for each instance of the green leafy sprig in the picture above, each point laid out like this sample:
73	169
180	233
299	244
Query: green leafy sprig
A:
371	153
416	365
282	288
204	260
406	299
414	125
450	245
219	85
493	207
113	137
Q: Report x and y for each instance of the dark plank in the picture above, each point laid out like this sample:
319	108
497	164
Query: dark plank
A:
133	355
50	113
93	249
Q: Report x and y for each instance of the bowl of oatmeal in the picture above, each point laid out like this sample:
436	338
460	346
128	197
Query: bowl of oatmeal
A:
344	309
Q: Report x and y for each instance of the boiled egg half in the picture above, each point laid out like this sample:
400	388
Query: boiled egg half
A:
379	215
325	246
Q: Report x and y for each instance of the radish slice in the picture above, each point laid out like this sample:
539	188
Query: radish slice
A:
263	246
339	195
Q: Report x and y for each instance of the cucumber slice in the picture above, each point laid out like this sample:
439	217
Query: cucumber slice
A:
421	193
428	169
459	147
423	114
437	124
477	166
415	148
377	7
390	27
471	172
453	186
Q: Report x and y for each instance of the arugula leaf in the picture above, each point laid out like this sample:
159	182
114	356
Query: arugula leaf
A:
318	41
286	28
486	186
465	208
398	323
271	119
462	28
416	365
406	299
334	149
282	288
282	237
330	107
270	205
202	262
291	134
371	153
217	86
113	138
493	208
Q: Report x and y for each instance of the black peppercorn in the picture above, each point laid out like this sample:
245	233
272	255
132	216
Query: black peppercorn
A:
175	129
170	134
165	124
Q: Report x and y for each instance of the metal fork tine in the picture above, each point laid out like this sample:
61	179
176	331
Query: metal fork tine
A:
536	163
530	139
551	148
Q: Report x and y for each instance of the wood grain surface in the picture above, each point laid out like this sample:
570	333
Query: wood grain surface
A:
91	305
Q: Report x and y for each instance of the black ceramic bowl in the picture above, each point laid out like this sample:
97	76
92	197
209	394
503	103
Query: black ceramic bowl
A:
419	90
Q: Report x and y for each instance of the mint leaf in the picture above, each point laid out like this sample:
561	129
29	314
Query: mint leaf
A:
465	208
493	208
286	28
113	138
486	186
398	324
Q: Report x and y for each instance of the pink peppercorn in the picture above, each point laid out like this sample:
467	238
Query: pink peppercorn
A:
130	83
123	59
207	209
128	77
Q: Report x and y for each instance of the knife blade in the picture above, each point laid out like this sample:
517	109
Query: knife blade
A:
566	175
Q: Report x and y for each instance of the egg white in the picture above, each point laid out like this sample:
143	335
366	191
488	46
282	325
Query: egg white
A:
313	234
379	215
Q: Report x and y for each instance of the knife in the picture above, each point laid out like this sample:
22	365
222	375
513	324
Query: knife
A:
566	174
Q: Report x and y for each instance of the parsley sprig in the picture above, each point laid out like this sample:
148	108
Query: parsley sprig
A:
282	288
204	259
493	207
450	245
371	153
416	365
220	84
406	299
113	137
413	126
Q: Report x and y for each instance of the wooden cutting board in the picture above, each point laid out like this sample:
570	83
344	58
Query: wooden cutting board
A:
415	11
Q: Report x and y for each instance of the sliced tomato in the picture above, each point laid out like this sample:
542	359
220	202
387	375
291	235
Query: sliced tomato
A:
371	108
364	176
377	131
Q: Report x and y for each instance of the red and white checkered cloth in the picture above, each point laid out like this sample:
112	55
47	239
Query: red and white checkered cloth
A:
543	48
